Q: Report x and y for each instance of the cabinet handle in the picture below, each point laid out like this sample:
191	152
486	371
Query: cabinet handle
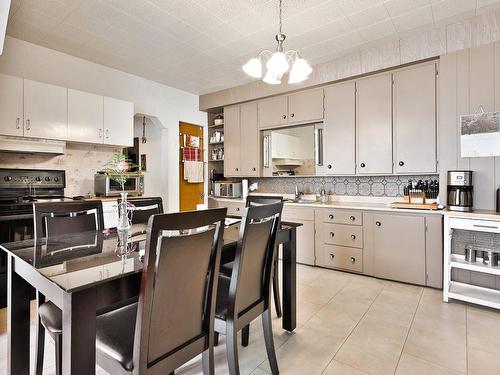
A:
362	165
330	216
28	124
107	133
237	208
292	115
17	123
284	117
353	236
352	218
332	234
236	169
100	133
329	166
378	223
332	256
353	260
254	169
401	163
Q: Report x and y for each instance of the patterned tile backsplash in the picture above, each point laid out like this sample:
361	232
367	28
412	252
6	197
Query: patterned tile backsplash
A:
80	163
369	186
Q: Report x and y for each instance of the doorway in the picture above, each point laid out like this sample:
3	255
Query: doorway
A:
190	194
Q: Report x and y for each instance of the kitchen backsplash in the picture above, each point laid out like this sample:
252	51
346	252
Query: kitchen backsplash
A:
80	162
369	186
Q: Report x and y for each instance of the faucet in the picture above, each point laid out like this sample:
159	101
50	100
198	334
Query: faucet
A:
298	194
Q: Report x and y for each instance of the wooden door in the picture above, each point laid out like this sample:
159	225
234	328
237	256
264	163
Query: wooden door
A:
189	194
273	112
305	106
118	122
249	140
11	105
45	110
374	125
85	117
232	166
415	120
340	129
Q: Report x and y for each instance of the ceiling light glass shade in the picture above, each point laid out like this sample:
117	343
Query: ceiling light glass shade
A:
271	78
253	68
278	63
300	71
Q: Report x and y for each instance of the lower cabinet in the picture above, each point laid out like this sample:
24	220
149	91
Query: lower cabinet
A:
234	208
305	233
346	258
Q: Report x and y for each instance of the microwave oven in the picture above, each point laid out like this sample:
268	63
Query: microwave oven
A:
106	186
227	189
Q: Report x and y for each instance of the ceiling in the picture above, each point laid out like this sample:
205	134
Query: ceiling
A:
200	45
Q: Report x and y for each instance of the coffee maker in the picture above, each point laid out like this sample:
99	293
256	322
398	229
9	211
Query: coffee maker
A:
460	190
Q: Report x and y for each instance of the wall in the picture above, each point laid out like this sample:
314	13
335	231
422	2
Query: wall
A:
169	105
469	79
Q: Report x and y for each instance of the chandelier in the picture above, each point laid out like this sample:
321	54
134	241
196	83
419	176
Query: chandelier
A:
278	63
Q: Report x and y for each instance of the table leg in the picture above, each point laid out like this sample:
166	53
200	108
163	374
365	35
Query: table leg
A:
18	322
78	349
289	268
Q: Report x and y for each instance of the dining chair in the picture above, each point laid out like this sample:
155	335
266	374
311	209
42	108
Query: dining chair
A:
173	321
245	295
144	208
54	219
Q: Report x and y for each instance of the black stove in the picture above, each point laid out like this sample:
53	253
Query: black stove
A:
19	188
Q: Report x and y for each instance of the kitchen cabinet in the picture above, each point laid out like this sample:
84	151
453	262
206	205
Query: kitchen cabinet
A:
118	122
374	125
305	233
45	110
340	129
273	112
232	141
85	117
414	116
234	207
11	105
305	106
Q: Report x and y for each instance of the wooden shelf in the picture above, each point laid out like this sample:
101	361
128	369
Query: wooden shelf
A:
458	261
475	294
216	160
215	143
215	126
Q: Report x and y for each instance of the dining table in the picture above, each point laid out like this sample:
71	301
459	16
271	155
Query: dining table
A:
84	276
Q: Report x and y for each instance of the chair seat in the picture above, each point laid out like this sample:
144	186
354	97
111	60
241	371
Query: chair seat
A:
115	332
51	318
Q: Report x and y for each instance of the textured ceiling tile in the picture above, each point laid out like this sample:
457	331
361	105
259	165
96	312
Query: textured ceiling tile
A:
449	8
355	6
398	7
369	16
414	19
378	31
223	9
423	45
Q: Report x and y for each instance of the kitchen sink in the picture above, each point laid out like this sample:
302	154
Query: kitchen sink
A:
300	201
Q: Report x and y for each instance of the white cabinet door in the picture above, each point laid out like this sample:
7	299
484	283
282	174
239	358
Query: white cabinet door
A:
340	129
305	106
273	112
118	122
415	119
232	167
374	125
11	105
249	140
85	117
45	110
305	242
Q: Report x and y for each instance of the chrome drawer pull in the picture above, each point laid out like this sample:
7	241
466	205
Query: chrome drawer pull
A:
332	234
352	218
330	216
332	256
353	236
353	260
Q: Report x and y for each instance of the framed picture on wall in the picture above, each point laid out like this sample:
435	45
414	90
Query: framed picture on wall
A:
480	134
143	162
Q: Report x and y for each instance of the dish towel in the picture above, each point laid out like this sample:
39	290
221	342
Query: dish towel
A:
193	171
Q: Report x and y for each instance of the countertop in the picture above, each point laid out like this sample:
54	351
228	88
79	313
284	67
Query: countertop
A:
476	214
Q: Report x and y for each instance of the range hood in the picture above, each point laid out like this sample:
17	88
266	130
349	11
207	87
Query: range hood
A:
31	146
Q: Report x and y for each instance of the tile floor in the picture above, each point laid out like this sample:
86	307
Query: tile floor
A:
351	324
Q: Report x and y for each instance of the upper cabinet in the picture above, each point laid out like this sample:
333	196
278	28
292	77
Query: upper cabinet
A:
45	110
11	105
118	122
232	166
415	119
273	112
374	125
85	117
340	129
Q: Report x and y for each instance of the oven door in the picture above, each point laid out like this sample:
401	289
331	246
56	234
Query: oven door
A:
130	186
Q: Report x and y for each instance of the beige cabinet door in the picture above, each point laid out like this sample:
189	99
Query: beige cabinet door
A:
374	125
249	140
118	122
11	105
399	247
85	117
415	119
305	241
273	112
305	106
340	129
232	166
45	110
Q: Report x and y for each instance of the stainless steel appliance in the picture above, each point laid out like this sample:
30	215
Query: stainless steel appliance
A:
19	188
227	189
106	186
460	190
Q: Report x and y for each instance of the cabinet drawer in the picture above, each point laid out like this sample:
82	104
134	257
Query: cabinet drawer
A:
344	235
290	213
342	257
337	216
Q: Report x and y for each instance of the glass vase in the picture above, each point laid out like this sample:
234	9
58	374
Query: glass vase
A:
124	225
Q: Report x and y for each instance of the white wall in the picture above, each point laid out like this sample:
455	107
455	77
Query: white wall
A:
168	104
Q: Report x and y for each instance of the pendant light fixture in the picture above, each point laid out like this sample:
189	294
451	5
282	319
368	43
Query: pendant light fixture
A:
278	63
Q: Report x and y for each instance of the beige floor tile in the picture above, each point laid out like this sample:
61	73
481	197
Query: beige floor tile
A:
374	346
432	304
259	371
338	368
407	289
363	287
305	311
410	365
394	307
480	322
483	363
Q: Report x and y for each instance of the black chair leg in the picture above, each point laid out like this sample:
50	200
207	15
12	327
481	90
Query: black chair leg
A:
268	338
276	290
245	335
40	337
58	347
232	349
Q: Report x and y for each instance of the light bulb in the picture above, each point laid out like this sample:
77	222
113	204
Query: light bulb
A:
272	78
278	63
300	71
253	68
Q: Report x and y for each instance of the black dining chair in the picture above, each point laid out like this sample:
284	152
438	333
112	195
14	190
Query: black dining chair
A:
144	208
246	294
173	321
54	219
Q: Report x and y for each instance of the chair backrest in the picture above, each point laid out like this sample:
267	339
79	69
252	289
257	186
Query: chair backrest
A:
253	262
144	208
58	218
176	309
259	200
